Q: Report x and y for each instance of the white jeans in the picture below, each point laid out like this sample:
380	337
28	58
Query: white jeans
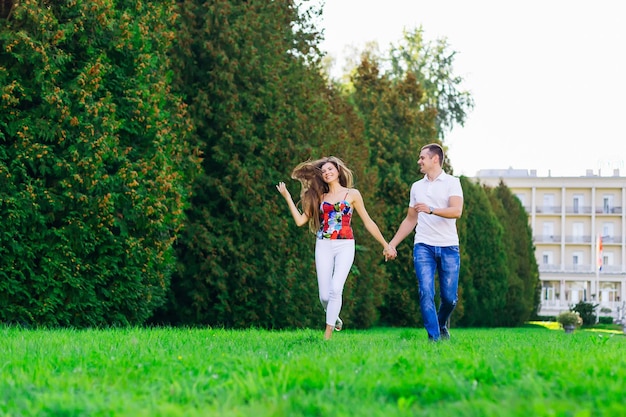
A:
333	260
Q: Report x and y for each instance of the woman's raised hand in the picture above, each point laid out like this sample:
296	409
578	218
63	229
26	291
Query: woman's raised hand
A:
282	189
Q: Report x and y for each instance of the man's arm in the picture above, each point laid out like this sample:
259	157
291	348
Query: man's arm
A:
406	227
453	211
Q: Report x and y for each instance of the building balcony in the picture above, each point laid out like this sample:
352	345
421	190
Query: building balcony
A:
554	303
578	210
585	239
580	268
608	210
547	238
615	240
548	210
578	239
549	267
582	210
611	269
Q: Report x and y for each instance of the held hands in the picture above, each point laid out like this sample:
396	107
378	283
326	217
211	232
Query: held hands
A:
390	253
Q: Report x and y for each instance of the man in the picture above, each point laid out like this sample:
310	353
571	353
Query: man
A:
436	202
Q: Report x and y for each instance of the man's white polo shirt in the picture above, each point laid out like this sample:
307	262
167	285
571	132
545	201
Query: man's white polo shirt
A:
432	229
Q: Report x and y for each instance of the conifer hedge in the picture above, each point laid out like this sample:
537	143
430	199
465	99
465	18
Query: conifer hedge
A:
140	145
523	295
396	127
484	275
250	72
92	162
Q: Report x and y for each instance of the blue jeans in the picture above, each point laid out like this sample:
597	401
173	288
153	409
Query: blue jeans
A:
446	261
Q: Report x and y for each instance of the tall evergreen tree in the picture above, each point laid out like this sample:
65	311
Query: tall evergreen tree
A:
250	73
514	311
403	109
395	128
91	156
523	296
484	271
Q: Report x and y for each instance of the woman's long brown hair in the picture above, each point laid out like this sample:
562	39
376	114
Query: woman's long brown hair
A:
309	174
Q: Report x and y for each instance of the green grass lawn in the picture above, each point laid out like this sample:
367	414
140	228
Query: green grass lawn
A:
530	371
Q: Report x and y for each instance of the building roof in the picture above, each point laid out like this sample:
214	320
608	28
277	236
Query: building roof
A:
532	173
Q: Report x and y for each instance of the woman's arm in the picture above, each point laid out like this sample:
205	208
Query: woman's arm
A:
371	227
300	218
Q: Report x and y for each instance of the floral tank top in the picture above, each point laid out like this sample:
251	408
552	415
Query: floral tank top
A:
335	220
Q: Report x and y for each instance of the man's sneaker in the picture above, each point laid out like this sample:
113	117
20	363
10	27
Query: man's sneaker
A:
338	325
444	334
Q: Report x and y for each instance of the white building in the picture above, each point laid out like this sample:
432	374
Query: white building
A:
579	233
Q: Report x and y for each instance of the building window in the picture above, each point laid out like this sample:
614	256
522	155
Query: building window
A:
547	259
577	261
576	293
608	293
578	229
548	293
548	232
607	204
548	203
607	232
578	204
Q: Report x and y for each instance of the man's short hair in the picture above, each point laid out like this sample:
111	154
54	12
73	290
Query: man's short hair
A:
435	149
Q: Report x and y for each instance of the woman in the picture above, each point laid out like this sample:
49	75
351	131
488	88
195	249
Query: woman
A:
328	201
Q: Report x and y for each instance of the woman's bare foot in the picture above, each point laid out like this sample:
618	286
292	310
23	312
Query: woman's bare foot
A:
328	333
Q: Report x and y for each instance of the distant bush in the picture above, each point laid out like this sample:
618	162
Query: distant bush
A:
587	312
605	320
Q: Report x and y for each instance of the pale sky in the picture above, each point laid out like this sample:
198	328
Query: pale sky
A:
548	77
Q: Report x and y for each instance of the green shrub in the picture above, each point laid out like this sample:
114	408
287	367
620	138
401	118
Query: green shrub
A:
586	311
570	318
